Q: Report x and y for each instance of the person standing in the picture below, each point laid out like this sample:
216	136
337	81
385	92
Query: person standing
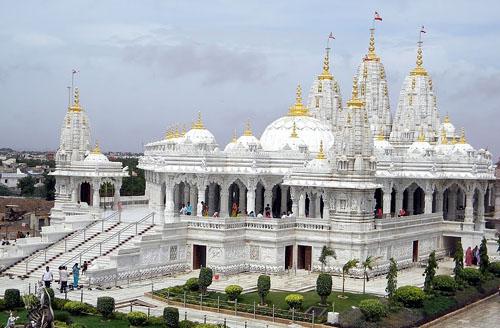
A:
76	275
189	209
63	279
47	277
84	267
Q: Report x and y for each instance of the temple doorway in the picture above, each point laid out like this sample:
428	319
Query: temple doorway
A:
304	257
85	196
199	256
288	257
415	251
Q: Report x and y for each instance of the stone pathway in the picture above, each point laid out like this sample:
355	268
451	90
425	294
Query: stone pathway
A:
482	315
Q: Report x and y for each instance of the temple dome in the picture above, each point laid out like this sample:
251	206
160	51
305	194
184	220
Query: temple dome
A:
420	147
312	131
382	146
96	156
448	127
199	134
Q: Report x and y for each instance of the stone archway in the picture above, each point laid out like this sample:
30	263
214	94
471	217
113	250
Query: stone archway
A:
86	193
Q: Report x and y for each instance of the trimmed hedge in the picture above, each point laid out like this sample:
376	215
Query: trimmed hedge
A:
192	284
171	316
136	318
77	308
324	286
410	296
263	287
373	309
105	306
471	276
205	279
233	291
495	268
436	306
444	283
294	301
12	299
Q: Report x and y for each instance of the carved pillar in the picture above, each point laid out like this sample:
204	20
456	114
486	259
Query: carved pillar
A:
201	198
480	211
242	199
268	197
439	200
428	199
452	204
294	194
386	201
186	199
317	206
211	199
284	199
96	184
169	200
399	199
411	193
251	200
176	190
302	205
74	194
116	198
224	201
192	199
469	206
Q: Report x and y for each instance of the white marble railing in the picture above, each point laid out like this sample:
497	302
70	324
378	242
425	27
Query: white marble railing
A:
268	224
408	221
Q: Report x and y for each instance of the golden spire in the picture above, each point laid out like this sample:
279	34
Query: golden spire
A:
199	123
298	109
371	55
462	137
321	154
248	129
355	102
444	139
97	149
177	132
326	75
447	118
421	136
235	138
294	131
76	102
454	140
380	135
419	69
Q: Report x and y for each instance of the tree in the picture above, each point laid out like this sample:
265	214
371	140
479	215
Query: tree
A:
345	269
458	258
484	263
367	265
430	271
392	279
27	186
263	287
49	182
324	286
205	279
326	252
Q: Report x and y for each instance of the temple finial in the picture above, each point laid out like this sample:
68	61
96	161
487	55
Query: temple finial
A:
326	75
97	149
248	129
380	135
419	69
199	123
444	138
421	136
321	154
355	102
462	140
294	131
447	118
298	109
235	138
76	102
371	55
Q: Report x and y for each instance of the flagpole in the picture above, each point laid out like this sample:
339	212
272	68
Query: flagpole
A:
69	95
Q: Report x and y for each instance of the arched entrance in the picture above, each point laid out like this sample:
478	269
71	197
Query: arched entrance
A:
85	193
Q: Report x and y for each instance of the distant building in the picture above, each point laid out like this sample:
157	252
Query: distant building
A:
10	179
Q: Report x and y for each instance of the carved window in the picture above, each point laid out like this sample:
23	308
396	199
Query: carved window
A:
173	253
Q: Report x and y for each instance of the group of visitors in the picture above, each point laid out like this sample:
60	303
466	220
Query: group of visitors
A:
472	256
235	211
48	276
186	209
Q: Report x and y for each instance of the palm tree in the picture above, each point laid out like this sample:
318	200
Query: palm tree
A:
326	252
345	269
368	265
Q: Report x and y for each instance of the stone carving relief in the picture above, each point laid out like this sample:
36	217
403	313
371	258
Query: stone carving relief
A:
267	254
151	256
214	253
254	253
173	253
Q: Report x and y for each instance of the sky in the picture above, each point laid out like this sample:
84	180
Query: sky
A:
146	65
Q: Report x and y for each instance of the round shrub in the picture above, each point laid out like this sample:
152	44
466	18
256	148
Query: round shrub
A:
294	301
136	318
495	268
171	316
410	296
105	306
471	276
233	291
188	324
205	279
373	309
12	298
58	303
77	308
444	283
62	316
192	284
263	287
324	286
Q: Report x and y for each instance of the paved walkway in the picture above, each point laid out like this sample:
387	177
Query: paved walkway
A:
484	314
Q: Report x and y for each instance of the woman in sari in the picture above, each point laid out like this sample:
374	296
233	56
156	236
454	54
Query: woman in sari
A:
76	275
468	257
234	210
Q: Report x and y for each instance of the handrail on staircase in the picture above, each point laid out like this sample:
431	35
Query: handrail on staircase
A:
78	233
116	234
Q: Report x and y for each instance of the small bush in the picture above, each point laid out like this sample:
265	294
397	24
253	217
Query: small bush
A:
12	299
373	309
77	308
105	306
444	283
171	316
495	268
352	318
471	276
136	318
187	324
233	291
205	279
192	284
58	303
294	301
437	306
63	316
410	296
155	321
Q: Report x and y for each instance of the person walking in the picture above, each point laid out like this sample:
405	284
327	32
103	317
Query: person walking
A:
63	279
47	277
84	267
76	275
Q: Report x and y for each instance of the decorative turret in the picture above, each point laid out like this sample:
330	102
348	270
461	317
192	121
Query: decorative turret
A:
373	90
417	109
198	125
248	130
324	100
75	134
298	109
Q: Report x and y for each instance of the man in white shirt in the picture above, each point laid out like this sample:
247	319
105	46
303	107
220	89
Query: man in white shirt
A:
63	279
47	277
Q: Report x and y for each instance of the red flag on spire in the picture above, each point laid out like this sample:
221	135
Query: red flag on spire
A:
331	36
377	17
